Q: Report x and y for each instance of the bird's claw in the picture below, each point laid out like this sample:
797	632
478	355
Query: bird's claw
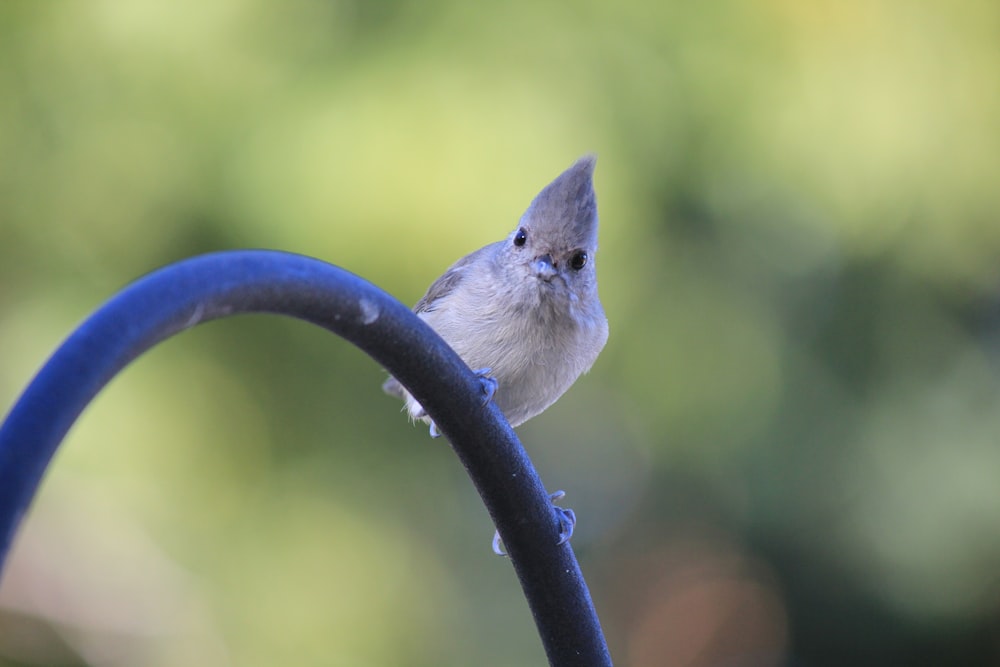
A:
497	548
488	384
567	518
489	388
567	524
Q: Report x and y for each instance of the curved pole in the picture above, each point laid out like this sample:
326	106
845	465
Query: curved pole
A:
210	287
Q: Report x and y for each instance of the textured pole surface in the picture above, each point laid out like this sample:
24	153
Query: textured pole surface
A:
213	286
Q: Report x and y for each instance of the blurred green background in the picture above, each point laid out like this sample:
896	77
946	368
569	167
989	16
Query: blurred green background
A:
788	453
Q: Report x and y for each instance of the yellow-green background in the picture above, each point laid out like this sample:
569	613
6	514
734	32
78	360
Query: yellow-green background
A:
788	453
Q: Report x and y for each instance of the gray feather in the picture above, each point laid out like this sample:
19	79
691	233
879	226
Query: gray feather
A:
448	282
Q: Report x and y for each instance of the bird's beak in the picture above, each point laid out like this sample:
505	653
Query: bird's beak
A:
544	267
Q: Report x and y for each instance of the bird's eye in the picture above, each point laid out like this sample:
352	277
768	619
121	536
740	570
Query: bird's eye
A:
578	260
521	237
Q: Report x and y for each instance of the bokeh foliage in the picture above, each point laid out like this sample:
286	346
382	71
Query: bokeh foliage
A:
788	453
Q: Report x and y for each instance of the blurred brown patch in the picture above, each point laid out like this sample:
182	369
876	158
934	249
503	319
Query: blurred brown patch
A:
700	600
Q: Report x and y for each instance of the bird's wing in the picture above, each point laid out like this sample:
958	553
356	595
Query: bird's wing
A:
447	283
439	289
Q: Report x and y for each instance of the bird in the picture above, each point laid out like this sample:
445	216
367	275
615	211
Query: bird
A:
524	311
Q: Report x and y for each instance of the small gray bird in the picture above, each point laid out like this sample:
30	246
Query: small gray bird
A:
525	310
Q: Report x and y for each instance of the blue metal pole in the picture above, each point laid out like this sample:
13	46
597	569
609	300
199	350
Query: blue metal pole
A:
210	287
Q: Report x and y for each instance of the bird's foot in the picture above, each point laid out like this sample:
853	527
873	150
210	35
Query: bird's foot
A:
567	518
567	524
488	384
